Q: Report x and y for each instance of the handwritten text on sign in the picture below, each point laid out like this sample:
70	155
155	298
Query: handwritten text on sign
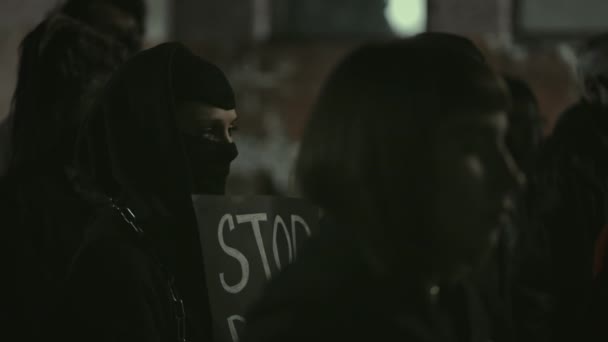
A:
255	220
245	242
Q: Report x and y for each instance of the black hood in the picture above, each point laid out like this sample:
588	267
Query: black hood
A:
131	149
62	66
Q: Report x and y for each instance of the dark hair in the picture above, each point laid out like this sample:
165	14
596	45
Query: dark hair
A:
521	93
567	196
525	128
592	73
80	9
363	157
593	43
62	66
573	167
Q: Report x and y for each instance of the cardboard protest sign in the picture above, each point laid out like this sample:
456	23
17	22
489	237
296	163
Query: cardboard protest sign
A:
245	242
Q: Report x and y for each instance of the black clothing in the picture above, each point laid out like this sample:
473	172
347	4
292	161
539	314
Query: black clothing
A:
5	138
201	82
103	20
492	283
567	200
330	294
63	63
132	152
210	162
119	287
43	221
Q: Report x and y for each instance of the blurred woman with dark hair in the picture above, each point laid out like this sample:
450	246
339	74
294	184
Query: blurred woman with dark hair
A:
405	154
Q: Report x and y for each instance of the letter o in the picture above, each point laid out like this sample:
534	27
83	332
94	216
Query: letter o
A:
278	220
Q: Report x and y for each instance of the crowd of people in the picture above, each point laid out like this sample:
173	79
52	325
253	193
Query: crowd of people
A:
444	213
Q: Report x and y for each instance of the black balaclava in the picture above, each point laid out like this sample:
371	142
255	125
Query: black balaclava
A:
209	164
130	149
195	80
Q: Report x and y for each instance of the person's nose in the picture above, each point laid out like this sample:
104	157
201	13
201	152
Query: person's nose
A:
228	136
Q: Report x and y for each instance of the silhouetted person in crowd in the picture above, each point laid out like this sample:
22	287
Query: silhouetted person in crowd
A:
63	63
69	27
161	132
560	282
122	20
560	273
592	68
405	154
524	135
5	137
523	140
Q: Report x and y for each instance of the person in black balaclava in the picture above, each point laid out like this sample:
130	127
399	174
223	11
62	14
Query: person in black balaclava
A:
162	132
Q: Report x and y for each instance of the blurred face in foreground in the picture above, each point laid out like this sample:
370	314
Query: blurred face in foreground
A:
474	177
410	155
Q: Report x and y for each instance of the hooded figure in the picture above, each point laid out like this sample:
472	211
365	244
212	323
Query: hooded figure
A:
124	20
161	132
63	64
61	52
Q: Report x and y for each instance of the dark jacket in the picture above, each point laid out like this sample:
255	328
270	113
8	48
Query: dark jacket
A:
5	138
330	294
62	65
118	290
42	221
492	283
130	155
555	289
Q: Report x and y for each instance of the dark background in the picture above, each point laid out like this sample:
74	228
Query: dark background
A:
277	52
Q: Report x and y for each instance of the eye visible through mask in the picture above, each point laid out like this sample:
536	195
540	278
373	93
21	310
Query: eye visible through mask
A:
209	163
206	133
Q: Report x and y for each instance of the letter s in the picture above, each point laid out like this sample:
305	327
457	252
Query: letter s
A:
235	254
